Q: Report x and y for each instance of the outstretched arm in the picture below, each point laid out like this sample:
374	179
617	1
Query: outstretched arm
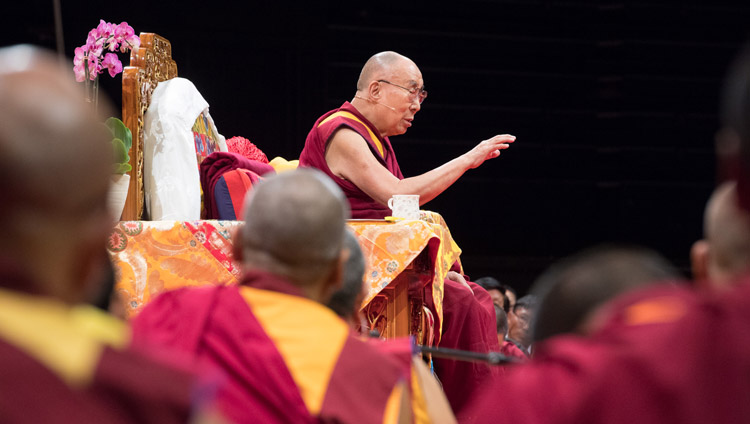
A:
349	157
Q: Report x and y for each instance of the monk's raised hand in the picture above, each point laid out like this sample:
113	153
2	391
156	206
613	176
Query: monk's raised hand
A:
489	149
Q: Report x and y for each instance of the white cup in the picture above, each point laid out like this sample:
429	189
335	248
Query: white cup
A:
404	206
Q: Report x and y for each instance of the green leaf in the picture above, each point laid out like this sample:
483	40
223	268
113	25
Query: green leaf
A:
121	168
119	152
119	130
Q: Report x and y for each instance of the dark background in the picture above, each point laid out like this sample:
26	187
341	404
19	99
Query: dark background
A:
613	103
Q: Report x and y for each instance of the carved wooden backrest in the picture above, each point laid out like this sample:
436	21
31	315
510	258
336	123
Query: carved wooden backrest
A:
150	64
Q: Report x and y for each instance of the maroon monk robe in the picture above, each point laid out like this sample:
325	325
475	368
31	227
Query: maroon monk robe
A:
313	155
469	324
665	355
127	386
216	326
510	350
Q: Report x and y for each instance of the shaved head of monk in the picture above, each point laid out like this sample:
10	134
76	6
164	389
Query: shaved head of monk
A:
294	227
390	90
55	162
723	256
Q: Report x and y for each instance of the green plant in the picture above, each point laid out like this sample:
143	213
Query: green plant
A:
122	140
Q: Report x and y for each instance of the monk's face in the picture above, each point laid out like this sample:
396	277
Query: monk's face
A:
405	80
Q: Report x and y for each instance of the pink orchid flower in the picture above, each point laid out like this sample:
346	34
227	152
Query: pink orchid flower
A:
123	31
95	68
112	63
78	60
109	37
105	29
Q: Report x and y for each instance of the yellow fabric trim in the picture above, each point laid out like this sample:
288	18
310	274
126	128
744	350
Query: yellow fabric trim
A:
655	311
349	115
308	335
397	407
418	403
66	339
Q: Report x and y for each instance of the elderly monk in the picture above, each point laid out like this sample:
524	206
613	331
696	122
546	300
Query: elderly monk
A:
351	144
652	356
286	357
60	360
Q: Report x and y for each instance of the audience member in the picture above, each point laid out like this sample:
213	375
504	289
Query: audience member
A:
496	291
351	144
572	290
502	323
507	347
519	322
511	294
286	357
61	360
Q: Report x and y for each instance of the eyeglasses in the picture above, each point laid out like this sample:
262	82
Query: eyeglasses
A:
416	93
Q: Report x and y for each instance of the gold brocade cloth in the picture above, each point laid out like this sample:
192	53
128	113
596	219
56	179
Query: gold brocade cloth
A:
154	256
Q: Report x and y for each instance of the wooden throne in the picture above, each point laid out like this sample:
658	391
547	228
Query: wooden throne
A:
150	64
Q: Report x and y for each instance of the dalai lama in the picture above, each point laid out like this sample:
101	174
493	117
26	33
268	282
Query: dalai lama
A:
351	144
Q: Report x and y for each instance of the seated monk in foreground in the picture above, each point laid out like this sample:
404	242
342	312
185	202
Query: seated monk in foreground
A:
287	358
62	360
351	144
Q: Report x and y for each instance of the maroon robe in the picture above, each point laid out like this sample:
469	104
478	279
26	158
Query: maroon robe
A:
469	324
665	355
217	328
510	350
127	386
313	155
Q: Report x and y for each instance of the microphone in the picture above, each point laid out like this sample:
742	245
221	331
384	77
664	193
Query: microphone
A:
377	103
491	358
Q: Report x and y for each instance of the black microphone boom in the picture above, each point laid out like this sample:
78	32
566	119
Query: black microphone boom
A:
492	358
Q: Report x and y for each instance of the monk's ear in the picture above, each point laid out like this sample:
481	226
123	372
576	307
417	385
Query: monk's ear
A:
237	251
699	262
374	90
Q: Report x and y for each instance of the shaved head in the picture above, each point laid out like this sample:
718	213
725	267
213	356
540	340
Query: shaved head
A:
294	226
727	229
345	300
51	145
382	65
55	162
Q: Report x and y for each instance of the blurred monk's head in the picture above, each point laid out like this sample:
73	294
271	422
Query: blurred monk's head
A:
724	253
55	163
389	92
733	140
574	290
346	300
294	227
